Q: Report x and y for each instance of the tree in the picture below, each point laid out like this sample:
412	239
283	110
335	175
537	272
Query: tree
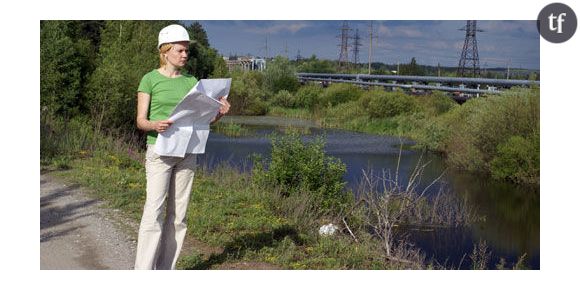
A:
94	67
62	60
198	34
220	69
314	65
128	50
203	60
412	69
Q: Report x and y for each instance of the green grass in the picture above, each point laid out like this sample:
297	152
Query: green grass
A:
298	113
230	129
228	212
121	184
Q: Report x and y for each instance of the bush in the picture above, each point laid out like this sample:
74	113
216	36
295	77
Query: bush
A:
516	113
340	93
432	135
296	167
246	94
437	103
518	159
280	75
308	96
283	99
478	128
381	104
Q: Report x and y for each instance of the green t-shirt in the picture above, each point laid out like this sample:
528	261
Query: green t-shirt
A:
165	94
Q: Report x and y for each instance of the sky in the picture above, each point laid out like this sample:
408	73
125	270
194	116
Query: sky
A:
502	43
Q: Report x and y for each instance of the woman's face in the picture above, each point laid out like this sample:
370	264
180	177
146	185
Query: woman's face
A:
177	55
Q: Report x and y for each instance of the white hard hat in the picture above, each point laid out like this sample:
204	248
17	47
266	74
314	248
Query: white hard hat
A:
172	33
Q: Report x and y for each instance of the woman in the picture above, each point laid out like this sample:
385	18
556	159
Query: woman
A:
169	179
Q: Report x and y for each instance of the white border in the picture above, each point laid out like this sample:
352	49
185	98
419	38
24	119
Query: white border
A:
559	159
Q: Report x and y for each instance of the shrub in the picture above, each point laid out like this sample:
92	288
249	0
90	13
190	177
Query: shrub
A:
280	75
437	103
518	159
340	93
478	127
432	135
296	166
283	99
457	142
500	117
246	94
382	104
308	96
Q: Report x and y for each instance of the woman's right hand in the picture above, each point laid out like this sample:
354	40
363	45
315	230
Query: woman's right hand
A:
161	126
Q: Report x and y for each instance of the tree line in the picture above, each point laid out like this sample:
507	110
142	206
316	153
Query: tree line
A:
93	68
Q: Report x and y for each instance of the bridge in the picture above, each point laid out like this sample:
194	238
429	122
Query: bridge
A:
466	87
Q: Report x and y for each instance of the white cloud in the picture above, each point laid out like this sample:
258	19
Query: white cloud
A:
412	32
278	28
385	30
399	31
439	45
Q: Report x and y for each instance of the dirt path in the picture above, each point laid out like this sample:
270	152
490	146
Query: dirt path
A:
77	232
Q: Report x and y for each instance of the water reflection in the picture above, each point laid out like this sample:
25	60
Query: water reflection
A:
512	214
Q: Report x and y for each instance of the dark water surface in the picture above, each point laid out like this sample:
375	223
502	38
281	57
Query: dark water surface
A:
511	225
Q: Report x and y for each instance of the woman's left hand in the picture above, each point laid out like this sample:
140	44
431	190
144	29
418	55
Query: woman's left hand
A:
225	108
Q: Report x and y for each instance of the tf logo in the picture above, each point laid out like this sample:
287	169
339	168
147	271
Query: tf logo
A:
557	22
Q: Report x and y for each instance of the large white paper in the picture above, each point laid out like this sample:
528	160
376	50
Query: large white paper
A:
191	118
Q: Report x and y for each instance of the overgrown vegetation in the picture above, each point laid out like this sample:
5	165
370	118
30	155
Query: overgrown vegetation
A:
247	95
479	135
496	134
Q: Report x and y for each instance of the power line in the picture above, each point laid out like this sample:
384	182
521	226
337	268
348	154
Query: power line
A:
371	45
344	36
469	54
355	47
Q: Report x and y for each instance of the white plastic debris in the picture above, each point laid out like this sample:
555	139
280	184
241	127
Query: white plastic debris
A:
327	230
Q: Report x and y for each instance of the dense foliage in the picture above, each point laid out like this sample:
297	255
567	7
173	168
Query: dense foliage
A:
297	166
93	68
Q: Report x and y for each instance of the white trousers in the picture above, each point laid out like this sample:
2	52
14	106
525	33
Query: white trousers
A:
169	181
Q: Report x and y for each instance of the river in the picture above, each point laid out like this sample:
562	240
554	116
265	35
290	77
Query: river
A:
511	214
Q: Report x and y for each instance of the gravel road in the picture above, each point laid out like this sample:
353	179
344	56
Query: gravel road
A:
78	232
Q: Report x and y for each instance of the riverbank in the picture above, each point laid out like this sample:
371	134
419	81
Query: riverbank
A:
511	211
495	135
